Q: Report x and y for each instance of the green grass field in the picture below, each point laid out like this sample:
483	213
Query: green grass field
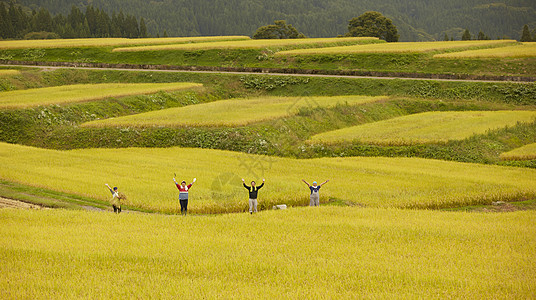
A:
145	176
403	47
254	44
83	92
526	152
233	112
428	127
522	50
105	42
304	253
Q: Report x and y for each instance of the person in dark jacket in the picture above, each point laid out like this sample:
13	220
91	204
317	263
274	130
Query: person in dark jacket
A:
253	191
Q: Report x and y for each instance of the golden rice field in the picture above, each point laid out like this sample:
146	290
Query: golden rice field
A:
403	47
306	253
526	152
428	127
145	176
83	92
250	44
102	42
7	72
233	112
521	50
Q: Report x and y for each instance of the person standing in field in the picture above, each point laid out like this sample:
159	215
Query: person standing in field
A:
116	198
315	195
183	194
253	191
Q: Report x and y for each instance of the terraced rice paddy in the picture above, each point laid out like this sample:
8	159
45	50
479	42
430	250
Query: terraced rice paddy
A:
255	44
106	42
429	127
526	152
83	92
522	50
8	72
233	112
403	47
145	176
299	254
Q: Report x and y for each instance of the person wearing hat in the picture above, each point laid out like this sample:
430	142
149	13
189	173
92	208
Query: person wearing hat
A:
253	190
315	196
116	199
183	194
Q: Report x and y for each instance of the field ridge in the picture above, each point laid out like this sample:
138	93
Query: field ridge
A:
272	71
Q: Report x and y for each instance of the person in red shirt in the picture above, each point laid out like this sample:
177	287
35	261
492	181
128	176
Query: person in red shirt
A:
183	194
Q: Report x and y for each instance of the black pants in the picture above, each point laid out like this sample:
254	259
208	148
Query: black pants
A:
117	209
184	206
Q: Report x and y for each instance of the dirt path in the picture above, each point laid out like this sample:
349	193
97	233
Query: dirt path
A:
8	203
51	68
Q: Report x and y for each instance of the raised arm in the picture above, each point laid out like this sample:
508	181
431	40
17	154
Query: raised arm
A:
261	184
305	182
244	184
324	182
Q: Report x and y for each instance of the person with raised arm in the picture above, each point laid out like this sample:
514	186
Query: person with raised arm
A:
253	193
183	194
116	199
315	195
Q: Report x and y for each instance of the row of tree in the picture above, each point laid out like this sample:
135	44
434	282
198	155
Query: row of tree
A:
369	24
17	23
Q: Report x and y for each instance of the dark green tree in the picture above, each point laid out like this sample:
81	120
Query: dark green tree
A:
373	24
280	30
481	36
525	36
165	34
466	35
446	38
143	28
6	28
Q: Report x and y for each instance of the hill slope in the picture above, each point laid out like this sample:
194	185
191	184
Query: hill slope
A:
416	20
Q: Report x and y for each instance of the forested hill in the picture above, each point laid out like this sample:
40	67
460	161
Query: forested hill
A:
416	19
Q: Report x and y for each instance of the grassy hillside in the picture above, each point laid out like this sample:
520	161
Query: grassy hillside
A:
298	253
57	126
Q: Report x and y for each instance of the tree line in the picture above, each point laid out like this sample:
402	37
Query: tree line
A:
416	20
17	22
